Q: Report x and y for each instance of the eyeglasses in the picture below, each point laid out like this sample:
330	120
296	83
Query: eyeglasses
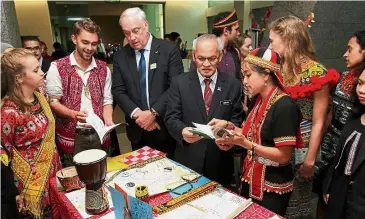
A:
187	182
212	60
36	48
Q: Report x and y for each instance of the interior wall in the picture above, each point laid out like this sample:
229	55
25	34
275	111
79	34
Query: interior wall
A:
9	24
152	15
111	32
105	8
33	19
178	12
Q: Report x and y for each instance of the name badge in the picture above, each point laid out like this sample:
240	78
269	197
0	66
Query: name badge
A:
225	102
153	66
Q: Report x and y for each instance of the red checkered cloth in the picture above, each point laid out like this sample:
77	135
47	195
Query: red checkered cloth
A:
142	155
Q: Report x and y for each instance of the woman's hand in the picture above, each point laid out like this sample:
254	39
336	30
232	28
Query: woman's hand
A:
326	197
235	139
20	203
218	123
306	170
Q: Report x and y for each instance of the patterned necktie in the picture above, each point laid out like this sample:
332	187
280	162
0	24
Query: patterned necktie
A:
208	96
142	80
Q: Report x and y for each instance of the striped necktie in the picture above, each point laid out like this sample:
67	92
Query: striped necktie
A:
208	96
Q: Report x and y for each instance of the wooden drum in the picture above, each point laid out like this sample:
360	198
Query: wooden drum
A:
91	168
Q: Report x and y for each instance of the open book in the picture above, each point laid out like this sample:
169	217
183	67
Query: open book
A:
206	131
99	126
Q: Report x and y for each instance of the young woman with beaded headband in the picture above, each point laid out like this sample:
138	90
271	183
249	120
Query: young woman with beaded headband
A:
28	130
309	83
269	134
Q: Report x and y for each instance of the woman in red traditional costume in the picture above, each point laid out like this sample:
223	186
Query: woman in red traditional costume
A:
309	83
28	130
269	133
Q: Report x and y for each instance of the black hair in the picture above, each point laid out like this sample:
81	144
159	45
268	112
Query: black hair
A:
174	36
57	45
358	108
360	38
167	36
219	31
30	38
262	70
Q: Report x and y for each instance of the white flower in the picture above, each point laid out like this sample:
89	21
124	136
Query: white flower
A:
6	129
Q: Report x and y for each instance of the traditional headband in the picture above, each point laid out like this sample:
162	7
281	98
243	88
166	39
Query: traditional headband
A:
265	58
229	20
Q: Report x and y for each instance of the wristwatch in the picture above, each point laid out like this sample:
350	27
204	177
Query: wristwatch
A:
154	113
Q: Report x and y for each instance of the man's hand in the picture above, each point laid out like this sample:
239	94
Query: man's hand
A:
144	119
189	136
152	127
80	116
218	123
109	123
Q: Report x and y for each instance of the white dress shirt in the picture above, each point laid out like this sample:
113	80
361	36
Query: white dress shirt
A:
54	84
41	61
147	50
212	84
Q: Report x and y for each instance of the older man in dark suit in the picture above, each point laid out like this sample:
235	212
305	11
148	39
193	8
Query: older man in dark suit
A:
142	73
199	96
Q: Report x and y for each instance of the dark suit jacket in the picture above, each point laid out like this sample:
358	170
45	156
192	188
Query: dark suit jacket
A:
125	81
46	63
347	193
186	105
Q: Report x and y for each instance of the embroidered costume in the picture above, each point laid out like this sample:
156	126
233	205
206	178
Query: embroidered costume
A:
273	122
342	108
72	86
313	76
30	139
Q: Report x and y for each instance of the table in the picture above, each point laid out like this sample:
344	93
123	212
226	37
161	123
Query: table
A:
62	207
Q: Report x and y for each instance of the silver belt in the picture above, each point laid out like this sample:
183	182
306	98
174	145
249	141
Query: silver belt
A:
263	161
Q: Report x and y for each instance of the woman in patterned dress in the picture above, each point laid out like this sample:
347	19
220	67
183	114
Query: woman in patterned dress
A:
309	83
269	134
342	109
28	130
344	185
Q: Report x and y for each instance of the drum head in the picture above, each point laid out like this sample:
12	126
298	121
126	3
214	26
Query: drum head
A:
89	156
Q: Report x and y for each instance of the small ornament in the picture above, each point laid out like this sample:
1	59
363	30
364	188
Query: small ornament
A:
87	91
310	19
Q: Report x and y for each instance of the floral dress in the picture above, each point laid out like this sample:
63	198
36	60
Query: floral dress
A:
29	138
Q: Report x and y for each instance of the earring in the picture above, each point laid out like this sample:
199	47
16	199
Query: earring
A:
265	83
